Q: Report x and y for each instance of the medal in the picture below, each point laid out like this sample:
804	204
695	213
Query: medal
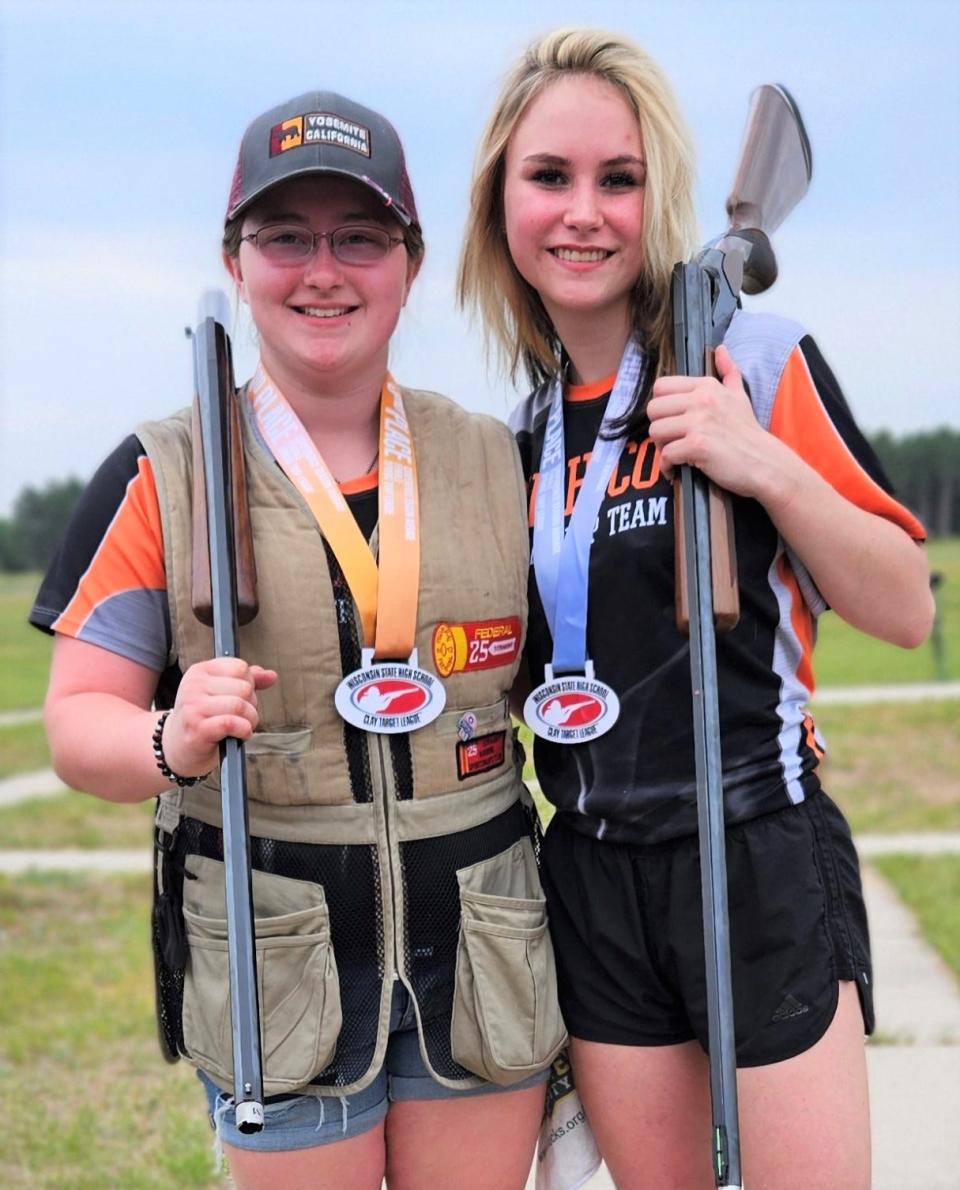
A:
576	706
571	709
384	695
389	696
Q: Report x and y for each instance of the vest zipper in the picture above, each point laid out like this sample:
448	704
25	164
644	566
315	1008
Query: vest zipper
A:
386	793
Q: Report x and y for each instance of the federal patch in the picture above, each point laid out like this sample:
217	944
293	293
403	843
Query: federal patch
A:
477	644
480	755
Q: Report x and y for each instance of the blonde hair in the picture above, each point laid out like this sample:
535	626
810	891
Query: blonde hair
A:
515	321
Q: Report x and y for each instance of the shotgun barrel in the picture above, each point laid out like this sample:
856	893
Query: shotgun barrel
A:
213	374
772	176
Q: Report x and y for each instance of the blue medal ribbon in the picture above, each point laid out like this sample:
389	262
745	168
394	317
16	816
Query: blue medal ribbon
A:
561	560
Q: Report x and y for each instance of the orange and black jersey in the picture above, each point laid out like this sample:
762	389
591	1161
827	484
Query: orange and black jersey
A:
637	782
107	583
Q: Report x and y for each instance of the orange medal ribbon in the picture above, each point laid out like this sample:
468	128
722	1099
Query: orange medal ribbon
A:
389	623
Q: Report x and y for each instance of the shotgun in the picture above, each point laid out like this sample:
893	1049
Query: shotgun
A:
227	538
772	176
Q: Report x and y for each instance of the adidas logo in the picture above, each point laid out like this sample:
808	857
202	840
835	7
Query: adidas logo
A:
790	1008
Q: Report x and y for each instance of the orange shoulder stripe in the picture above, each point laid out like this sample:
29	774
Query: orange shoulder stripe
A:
800	420
129	556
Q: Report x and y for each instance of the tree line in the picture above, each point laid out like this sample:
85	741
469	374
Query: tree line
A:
923	467
40	515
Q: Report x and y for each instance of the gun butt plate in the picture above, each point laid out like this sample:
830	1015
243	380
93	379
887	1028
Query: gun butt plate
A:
249	1115
776	163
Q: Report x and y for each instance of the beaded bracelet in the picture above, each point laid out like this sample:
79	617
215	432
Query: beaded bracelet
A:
162	765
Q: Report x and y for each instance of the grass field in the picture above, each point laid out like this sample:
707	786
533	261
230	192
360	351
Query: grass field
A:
846	657
85	1097
76	820
930	885
893	767
24	652
23	747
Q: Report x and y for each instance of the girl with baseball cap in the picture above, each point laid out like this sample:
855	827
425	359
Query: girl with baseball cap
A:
407	991
582	204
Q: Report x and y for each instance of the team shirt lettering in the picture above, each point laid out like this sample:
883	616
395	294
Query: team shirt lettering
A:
638	468
652	511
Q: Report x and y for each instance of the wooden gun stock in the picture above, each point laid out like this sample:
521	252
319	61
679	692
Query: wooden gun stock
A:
723	562
245	565
690	296
723	552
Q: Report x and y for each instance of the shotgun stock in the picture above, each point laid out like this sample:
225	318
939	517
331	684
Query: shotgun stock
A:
697	360
245	569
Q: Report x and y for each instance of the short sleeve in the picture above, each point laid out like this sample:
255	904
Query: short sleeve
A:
107	583
812	417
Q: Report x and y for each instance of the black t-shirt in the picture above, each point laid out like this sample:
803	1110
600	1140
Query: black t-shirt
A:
637	782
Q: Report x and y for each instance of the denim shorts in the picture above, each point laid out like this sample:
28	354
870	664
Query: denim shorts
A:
305	1121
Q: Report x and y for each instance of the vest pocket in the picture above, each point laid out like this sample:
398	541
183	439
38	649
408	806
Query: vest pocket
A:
298	985
506	1021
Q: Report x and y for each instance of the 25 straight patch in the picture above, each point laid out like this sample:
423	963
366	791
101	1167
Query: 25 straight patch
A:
481	754
476	644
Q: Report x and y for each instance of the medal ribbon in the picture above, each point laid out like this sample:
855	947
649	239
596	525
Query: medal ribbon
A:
561	560
389	623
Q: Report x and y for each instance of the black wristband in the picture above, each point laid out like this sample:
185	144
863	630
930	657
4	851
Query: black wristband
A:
162	765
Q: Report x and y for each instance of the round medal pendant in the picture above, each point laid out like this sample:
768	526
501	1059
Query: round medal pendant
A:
389	697
571	709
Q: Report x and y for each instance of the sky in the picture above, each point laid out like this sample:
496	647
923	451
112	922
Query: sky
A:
120	122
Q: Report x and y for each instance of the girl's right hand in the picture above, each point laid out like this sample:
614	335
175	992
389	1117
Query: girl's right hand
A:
216	699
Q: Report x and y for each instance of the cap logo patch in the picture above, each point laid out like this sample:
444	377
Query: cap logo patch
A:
320	128
288	135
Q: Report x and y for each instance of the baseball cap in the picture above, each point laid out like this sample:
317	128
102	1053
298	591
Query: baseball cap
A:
323	133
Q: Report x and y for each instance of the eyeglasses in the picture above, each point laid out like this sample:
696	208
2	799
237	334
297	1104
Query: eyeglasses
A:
291	244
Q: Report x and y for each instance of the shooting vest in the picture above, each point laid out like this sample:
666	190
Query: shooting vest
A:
375	857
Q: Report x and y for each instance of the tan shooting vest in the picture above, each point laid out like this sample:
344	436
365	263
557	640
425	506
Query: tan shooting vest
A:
376	857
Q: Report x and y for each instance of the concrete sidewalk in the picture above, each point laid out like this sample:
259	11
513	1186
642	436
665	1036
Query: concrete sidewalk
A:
902	692
40	783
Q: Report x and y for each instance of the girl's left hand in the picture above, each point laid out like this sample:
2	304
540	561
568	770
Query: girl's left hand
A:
709	423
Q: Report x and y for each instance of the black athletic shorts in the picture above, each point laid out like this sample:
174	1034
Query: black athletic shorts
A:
627	929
